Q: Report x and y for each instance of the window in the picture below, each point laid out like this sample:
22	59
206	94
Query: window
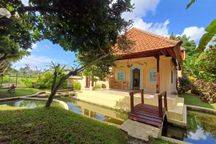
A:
152	76
121	76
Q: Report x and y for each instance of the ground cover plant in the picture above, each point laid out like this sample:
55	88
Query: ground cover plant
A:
191	99
55	125
18	92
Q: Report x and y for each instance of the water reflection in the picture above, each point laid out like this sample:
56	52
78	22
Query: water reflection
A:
97	112
201	129
82	108
25	103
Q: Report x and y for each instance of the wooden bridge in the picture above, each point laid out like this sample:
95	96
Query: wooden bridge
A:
149	114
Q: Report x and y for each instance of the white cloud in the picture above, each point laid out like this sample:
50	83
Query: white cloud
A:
25	2
157	28
33	61
194	32
141	7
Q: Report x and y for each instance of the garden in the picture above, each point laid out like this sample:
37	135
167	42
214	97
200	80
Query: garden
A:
89	30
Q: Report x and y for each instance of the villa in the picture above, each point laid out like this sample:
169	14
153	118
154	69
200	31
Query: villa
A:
151	64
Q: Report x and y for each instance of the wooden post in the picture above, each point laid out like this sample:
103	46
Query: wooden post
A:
160	107
92	81
132	100
158	74
142	96
165	100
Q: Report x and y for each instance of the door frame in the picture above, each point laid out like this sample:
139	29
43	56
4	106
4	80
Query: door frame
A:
131	77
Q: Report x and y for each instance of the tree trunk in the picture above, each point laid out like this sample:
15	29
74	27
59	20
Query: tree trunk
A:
51	97
92	79
56	85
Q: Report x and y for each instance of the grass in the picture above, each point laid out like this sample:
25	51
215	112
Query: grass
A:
55	125
158	141
191	99
6	107
19	92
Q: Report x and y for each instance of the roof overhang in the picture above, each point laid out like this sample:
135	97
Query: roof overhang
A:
169	51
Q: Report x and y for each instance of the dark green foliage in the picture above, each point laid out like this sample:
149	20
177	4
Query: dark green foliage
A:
56	125
88	28
207	65
15	36
103	86
184	85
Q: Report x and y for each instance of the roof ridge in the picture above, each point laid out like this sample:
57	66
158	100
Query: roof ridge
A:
157	36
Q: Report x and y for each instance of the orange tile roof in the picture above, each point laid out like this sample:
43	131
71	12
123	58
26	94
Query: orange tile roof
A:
144	42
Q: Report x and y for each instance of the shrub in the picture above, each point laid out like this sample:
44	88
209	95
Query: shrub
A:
76	85
44	80
206	90
28	82
103	86
184	85
97	86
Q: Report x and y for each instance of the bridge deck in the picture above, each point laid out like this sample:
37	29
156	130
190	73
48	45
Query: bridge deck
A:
147	114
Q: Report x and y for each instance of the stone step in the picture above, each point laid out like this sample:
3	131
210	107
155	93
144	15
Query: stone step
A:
140	130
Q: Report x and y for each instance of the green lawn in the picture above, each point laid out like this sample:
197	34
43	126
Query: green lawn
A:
19	92
55	125
191	99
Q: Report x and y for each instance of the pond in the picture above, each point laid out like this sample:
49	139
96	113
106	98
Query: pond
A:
96	112
24	103
90	110
201	129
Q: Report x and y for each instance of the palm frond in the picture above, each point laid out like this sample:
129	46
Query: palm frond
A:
208	36
190	4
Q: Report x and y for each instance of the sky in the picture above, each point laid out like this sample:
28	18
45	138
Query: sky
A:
162	17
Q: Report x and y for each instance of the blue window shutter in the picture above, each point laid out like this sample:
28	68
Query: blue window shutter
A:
152	76
121	76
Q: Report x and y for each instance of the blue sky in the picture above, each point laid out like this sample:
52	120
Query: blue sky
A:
161	17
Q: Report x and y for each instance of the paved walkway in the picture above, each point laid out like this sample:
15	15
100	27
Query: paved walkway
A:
121	100
111	98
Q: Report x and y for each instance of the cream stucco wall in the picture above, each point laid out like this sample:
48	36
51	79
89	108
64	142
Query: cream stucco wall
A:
145	65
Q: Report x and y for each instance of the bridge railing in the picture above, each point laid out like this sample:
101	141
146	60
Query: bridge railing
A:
160	102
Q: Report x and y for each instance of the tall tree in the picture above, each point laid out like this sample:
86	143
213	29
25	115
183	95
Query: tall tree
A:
189	65
86	27
16	33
